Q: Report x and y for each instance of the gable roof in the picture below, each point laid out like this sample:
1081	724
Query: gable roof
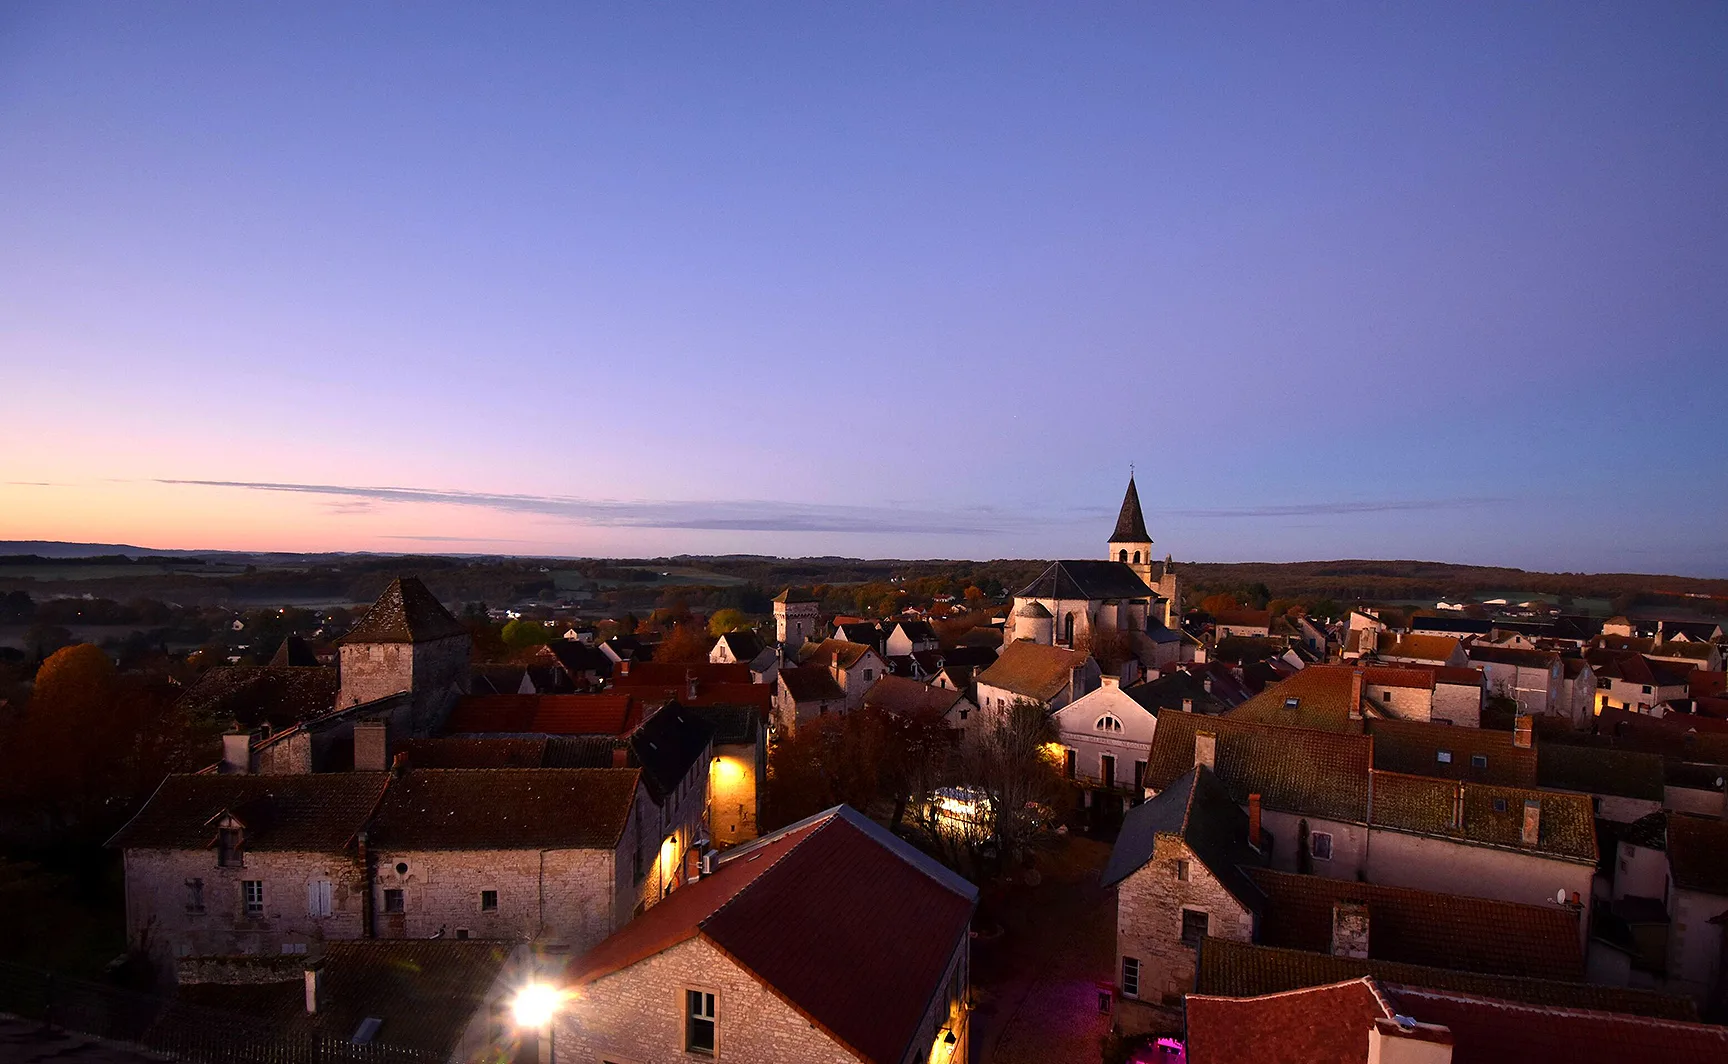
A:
1243	618
1322	697
405	613
744	646
1033	670
1523	659
632	674
1090	580
1415	747
1316	1025
834	652
667	746
505	809
1492	815
311	813
1130	521
295	651
1296	770
1199	811
613	714
278	695
1424	927
1246	969
1170	690
1420	647
908	697
1698	853
811	683
577	658
785	907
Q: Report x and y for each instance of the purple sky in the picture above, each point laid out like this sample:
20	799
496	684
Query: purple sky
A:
1341	281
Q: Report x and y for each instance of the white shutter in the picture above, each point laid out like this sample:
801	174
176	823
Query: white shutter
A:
318	897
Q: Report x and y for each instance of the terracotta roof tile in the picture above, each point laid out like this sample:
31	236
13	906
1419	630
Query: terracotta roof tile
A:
405	613
1424	927
473	753
1492	815
667	673
831	652
1243	618
1435	648
1317	1025
311	813
1415	747
506	809
615	714
1296	770
1321	695
278	695
811	683
1033	670
897	694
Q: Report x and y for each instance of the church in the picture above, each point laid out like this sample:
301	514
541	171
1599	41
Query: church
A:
1074	603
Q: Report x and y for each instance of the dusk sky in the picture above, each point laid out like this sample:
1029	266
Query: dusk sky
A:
1341	281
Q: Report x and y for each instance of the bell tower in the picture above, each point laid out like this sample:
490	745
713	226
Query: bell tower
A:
1130	543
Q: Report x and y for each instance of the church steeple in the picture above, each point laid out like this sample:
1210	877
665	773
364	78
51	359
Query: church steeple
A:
1130	543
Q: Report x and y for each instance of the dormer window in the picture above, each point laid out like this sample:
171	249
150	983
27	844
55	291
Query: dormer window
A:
1107	723
1292	703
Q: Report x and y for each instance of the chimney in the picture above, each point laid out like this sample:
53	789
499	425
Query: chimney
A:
1205	749
1458	806
1401	1040
1350	929
1521	729
237	751
1254	821
1355	694
690	684
1110	681
1187	705
1532	822
314	985
620	756
371	746
622	668
1658	643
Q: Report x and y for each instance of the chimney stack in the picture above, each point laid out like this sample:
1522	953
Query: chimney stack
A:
314	986
1355	694
237	751
1521	731
371	746
1254	821
1110	681
620	756
1205	750
1401	1040
1187	705
1532	822
1350	929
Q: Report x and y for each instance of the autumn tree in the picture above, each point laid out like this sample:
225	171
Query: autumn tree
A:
1008	759
522	632
1220	603
686	644
727	620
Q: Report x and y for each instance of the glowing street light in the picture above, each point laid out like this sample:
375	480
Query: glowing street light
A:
536	1004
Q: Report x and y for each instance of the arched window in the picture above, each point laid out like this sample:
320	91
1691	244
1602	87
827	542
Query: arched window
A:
1123	556
1107	723
1136	557
1068	630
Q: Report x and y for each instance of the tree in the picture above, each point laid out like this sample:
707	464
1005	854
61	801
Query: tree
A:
1219	603
727	620
1010	761
522	632
687	644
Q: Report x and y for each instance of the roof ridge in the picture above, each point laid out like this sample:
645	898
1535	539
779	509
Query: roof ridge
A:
1562	1010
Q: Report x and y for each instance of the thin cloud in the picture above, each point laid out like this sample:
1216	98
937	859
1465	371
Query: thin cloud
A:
1320	509
717	516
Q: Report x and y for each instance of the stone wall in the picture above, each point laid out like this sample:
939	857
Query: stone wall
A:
1458	704
1428	863
1695	945
734	800
1149	906
1349	844
561	896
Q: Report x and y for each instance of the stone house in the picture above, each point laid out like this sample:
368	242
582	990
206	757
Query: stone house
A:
805	692
854	666
1051	676
795	620
827	941
1635	683
407	642
1577	691
1177	867
1459	696
1242	624
1532	678
738	773
1106	739
909	698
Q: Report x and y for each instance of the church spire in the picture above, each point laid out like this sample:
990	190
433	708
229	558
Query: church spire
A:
1130	523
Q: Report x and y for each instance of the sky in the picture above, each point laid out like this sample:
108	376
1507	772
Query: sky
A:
887	280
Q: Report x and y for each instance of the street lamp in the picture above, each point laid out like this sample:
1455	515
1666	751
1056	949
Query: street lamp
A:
535	1007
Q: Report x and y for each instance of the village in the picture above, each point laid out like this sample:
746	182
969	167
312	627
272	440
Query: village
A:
1093	823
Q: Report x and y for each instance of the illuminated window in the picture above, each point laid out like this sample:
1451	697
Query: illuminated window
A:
1444	757
698	1022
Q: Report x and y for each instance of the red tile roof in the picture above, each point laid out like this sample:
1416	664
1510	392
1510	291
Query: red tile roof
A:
1319	1025
844	922
506	809
1437	648
667	673
1412	676
1490	1031
545	715
1322	701
898	694
1033	670
1492	815
1296	770
1456	674
1415	747
1243	618
1423	927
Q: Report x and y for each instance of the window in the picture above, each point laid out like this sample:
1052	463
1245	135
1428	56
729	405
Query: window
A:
1068	757
1499	805
868	675
293	948
194	895
461	932
1068	630
1388	696
1647	688
1122	556
1194	925
252	891
1107	769
1292	703
963	714
698	1022
1444	757
393	901
1130	977
228	851
1107	723
1182	871
1320	845
1478	760
488	901
318	898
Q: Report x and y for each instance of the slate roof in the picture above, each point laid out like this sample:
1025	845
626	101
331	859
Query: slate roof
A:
916	631
1698	853
811	683
1567	829
251	695
1199	811
785	907
744	646
796	594
313	813
1489	1031
578	658
865	632
613	714
907	697
1244	969
1130	521
505	809
667	745
1424	927
1452	625
1168	691
405	613
1033	670
1523	659
1091	580
1592	770
295	651
1296	770
426	992
1414	747
733	725
1320	1025
473	753
664	673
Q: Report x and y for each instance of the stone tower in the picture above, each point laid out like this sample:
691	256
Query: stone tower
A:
407	642
1131	544
1169	585
794	617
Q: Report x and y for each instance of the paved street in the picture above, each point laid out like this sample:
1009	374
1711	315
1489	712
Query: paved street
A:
1036	985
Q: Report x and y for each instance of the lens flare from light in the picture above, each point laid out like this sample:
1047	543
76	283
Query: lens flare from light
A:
536	1004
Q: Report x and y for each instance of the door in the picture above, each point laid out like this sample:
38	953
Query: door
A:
1107	762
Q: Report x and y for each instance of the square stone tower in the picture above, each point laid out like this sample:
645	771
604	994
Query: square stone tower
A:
794	617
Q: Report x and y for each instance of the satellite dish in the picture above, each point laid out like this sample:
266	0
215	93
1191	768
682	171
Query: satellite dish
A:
1560	896
1720	781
